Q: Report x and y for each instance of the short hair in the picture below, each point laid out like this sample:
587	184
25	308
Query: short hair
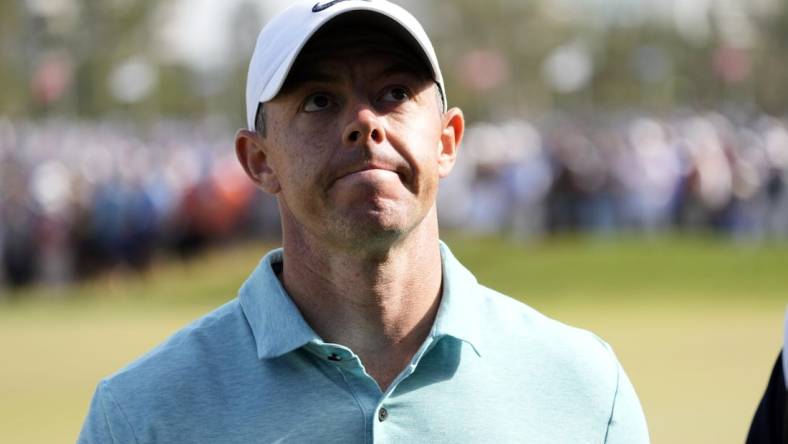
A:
259	120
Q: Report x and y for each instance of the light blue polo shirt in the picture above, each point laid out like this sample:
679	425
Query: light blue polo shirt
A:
492	370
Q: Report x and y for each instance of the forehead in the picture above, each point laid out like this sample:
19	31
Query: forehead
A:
358	38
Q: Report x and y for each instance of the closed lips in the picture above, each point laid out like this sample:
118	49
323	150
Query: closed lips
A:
370	167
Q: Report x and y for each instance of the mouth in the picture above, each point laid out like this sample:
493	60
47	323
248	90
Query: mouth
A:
371	170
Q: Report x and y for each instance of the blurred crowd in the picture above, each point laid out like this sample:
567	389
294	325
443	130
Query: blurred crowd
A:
635	173
77	197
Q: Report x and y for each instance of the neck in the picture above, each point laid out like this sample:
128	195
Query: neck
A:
380	303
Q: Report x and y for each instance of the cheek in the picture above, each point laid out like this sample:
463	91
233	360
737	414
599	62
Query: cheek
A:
300	162
422	137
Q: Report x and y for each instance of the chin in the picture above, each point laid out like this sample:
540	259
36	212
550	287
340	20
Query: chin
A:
370	226
378	221
375	221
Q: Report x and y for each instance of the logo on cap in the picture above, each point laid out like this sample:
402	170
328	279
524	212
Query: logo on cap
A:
320	6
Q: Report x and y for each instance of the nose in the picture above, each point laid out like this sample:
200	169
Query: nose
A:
363	128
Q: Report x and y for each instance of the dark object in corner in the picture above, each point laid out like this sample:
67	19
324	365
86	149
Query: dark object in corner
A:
770	424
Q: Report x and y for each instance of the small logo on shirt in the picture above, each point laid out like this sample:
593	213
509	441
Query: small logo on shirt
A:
320	6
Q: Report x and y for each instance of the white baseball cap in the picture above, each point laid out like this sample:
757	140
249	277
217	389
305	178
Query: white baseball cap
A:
282	39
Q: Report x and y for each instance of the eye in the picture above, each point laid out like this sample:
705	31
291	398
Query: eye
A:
317	102
395	94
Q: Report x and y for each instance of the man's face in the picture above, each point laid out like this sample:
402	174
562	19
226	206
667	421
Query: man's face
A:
356	141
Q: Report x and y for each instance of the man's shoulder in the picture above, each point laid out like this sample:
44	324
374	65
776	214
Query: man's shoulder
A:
571	377
194	387
210	344
514	325
507	324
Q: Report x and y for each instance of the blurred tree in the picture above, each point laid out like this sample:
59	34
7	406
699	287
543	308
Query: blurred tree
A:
770	62
500	58
15	35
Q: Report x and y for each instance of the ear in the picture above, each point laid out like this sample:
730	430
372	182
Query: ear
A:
451	136
252	153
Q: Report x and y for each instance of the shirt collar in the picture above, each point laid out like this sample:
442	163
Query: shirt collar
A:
279	328
276	322
460	308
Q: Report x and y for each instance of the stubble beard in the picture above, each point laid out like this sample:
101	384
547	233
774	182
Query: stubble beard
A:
378	223
367	226
375	228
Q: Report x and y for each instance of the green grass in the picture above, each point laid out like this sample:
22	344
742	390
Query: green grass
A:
696	322
699	269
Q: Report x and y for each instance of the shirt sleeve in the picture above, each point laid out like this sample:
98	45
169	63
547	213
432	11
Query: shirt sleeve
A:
627	423
106	422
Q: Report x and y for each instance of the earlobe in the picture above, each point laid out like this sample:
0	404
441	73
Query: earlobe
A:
451	136
251	152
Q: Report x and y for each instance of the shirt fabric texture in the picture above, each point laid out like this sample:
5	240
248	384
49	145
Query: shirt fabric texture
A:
253	371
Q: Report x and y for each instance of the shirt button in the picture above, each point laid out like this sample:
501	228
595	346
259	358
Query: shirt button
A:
334	357
382	414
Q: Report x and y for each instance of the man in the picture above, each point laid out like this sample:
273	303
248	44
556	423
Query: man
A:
363	327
